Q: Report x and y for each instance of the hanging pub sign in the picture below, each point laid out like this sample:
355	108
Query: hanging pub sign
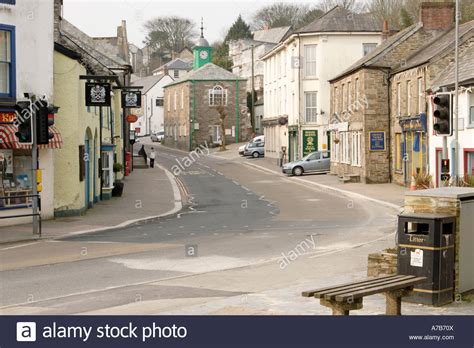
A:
97	94
131	99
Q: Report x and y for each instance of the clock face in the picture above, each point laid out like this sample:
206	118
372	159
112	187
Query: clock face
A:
203	54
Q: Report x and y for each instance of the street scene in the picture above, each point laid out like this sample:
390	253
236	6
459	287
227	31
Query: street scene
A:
286	158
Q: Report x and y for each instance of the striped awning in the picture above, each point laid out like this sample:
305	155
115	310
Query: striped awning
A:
8	140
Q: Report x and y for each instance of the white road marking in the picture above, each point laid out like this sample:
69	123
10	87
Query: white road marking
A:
19	246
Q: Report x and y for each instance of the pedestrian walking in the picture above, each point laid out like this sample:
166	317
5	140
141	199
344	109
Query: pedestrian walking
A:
152	158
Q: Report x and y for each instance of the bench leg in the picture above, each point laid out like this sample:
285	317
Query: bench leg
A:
342	308
393	301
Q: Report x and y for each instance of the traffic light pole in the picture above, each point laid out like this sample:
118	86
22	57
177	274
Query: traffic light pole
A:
456	99
34	166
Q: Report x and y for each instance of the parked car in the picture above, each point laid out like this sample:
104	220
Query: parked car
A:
255	149
315	162
158	137
260	138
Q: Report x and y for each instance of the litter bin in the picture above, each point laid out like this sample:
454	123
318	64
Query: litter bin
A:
426	249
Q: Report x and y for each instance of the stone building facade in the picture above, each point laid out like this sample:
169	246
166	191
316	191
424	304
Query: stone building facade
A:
191	109
378	96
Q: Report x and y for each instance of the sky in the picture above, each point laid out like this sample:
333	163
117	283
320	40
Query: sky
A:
101	17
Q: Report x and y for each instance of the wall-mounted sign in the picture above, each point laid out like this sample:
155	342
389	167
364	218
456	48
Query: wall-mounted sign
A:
131	99
131	118
377	141
7	117
97	94
310	141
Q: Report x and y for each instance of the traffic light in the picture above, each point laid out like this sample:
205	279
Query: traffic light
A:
25	126
45	119
442	115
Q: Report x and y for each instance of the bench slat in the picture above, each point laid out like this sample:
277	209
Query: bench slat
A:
383	288
310	293
331	295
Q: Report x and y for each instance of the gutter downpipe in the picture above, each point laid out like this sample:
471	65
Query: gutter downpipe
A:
193	115
389	135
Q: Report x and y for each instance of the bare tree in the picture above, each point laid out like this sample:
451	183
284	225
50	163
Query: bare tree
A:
222	115
351	5
386	10
170	34
278	15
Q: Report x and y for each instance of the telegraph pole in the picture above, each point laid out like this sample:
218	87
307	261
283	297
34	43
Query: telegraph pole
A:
456	99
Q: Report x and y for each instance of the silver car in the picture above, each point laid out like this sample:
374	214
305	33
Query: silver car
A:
255	149
315	162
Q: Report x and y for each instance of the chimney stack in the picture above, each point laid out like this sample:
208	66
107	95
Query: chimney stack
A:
437	15
385	32
58	11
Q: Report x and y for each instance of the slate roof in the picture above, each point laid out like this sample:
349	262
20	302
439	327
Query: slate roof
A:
340	19
147	82
466	71
97	55
375	58
274	35
438	45
208	72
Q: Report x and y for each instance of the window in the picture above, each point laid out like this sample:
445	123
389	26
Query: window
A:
399	99
408	98
310	60
169	101
469	161
10	2
15	172
182	98
368	47
343	92
311	107
175	73
336	99
471	110
357	94
159	101
398	152
335	146
293	63
420	97
217	96
349	96
344	142
175	97
356	149
7	61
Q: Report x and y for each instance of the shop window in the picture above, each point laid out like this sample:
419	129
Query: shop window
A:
398	152
469	163
7	61
107	169
16	178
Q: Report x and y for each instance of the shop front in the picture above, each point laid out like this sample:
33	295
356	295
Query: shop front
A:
411	149
16	174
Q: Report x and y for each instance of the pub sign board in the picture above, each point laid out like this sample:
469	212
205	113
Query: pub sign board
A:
310	141
131	99
377	141
97	94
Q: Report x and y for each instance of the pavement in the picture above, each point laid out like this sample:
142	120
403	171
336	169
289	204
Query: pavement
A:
391	195
148	194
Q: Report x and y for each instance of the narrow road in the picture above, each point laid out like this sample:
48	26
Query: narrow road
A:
234	237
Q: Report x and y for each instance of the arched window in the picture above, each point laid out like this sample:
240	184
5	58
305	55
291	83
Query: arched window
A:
217	96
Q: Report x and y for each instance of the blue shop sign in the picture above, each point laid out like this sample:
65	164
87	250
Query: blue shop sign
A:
377	141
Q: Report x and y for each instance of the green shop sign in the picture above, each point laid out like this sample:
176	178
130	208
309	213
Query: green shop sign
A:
310	141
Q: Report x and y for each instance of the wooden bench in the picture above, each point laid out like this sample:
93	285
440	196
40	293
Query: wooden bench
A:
346	297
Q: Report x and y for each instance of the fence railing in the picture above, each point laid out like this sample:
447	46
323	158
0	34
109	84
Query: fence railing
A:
4	199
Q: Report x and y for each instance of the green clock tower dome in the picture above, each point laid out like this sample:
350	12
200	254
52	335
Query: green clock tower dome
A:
202	51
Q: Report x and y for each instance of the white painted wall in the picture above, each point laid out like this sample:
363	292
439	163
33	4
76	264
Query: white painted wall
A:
284	71
33	21
151	119
466	135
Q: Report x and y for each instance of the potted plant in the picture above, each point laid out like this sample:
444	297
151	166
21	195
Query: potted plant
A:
118	184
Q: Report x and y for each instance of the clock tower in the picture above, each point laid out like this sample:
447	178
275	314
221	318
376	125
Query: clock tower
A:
202	51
